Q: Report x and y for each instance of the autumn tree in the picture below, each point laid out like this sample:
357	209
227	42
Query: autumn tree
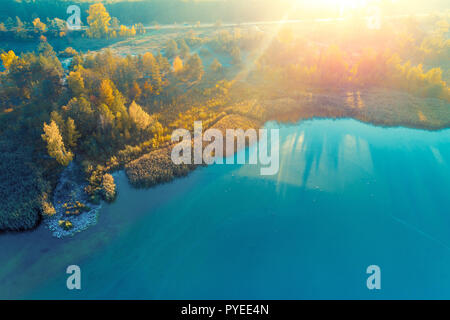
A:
127	32
105	92
147	61
140	118
216	66
151	71
9	23
193	70
177	64
171	49
156	79
39	27
135	91
183	48
108	187
235	54
147	91
71	133
55	144
55	116
98	20
19	29
163	63
81	111
45	48
115	23
57	27
105	117
139	28
76	83
332	67
8	58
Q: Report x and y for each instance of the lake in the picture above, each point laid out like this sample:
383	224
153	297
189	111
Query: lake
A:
348	195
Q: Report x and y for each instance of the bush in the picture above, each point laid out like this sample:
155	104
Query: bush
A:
155	167
108	187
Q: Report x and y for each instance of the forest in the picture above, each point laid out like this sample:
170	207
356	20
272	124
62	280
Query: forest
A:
108	111
131	12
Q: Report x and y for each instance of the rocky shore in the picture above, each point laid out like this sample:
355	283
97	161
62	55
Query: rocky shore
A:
73	211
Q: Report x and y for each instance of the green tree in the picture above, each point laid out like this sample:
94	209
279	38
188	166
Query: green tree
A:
163	63
9	24
44	48
115	23
183	48
171	49
216	66
76	83
20	31
193	70
139	28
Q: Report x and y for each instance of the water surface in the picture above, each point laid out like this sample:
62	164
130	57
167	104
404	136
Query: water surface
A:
347	195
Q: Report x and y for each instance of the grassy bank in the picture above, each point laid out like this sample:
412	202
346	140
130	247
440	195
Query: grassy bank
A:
157	166
382	107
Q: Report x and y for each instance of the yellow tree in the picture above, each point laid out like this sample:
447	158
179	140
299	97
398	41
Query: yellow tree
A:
135	91
286	35
71	133
55	144
39	27
109	187
148	61
141	118
76	83
126	32
98	20
177	64
123	31
8	58
216	66
106	92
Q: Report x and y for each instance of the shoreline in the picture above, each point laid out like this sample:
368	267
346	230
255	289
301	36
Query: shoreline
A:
143	173
158	168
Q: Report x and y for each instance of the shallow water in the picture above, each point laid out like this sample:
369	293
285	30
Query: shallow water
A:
347	195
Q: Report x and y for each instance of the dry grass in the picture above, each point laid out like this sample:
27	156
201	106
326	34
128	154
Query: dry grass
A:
157	166
377	106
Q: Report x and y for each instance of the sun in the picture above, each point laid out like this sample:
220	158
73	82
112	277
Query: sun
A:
345	3
342	4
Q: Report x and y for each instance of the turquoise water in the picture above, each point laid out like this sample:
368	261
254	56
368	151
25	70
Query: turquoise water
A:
347	195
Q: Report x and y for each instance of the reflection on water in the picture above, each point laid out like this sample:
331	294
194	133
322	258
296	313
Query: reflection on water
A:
321	158
347	195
